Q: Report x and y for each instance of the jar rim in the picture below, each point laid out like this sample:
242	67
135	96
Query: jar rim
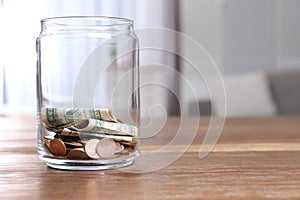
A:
88	21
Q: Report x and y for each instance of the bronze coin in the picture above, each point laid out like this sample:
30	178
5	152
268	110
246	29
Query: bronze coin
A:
57	147
78	153
73	144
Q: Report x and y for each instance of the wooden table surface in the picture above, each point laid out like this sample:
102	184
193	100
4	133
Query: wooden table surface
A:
255	158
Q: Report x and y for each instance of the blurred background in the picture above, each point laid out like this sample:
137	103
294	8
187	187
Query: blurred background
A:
255	45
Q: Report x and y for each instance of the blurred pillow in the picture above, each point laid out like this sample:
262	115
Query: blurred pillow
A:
247	95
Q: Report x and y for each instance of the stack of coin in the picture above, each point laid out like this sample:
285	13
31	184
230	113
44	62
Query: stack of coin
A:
70	145
87	134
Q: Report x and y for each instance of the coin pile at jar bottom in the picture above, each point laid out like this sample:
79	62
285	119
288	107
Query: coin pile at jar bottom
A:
71	145
84	133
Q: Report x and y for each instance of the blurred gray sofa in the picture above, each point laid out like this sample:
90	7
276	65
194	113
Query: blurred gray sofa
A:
284	87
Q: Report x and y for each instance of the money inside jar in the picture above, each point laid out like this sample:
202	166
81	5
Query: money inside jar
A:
87	134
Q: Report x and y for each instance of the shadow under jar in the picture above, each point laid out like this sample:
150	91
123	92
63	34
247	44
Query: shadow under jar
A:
88	93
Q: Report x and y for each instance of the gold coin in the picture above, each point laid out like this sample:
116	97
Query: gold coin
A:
57	147
90	148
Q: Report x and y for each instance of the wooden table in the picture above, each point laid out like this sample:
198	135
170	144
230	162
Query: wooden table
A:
255	158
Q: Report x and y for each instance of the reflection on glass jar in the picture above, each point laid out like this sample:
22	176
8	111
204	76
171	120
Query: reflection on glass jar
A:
88	93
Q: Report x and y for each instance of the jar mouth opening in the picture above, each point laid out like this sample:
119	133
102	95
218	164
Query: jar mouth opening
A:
87	21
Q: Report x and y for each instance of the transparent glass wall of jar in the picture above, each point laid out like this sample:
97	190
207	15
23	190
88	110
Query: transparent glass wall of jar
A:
88	93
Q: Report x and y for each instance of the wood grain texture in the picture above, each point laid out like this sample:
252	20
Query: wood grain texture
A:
255	158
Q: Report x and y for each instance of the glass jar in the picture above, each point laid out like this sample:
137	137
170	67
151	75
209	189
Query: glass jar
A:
88	92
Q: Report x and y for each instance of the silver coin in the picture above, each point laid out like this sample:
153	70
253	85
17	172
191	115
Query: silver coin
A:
91	148
106	148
